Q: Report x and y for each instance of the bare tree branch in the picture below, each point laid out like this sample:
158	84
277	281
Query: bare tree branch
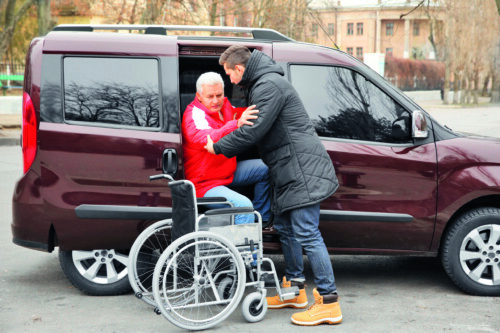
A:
420	4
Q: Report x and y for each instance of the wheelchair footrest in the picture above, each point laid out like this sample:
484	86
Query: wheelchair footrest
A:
289	293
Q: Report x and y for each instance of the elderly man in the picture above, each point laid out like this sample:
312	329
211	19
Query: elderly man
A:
212	114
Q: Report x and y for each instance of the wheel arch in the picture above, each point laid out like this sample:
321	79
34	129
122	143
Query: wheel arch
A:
492	200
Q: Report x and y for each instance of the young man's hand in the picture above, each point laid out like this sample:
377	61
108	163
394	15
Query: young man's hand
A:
248	114
210	145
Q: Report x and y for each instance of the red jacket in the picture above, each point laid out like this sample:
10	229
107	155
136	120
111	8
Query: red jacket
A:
205	170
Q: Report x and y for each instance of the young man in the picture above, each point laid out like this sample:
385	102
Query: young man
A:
211	114
301	174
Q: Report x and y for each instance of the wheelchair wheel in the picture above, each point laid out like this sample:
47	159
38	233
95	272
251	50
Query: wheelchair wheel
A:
249	308
143	257
189	276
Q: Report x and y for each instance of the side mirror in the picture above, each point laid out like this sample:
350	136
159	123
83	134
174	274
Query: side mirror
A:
419	125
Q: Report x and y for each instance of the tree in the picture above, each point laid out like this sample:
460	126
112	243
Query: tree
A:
466	45
11	18
495	88
286	16
45	22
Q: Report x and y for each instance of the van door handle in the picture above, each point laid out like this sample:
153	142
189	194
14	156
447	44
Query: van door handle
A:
170	162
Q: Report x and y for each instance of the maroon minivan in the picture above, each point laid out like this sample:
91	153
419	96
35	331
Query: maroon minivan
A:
102	112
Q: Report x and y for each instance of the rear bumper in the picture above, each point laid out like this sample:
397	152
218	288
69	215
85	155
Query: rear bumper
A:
30	227
31	245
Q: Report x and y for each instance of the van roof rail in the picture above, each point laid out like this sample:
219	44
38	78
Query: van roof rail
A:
257	33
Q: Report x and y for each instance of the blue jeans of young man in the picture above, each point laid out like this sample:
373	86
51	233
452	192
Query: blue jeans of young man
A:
248	172
298	229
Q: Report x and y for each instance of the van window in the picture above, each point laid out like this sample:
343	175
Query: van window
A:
121	92
343	104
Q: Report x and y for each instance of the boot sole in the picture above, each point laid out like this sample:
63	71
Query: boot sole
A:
288	305
330	321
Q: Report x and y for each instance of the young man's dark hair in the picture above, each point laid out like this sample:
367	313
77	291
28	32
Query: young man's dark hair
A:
235	55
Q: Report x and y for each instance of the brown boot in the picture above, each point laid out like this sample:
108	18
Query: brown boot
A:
326	309
298	302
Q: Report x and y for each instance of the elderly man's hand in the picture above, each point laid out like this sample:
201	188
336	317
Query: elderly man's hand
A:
249	113
210	145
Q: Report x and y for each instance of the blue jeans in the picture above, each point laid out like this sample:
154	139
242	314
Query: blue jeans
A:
248	172
298	229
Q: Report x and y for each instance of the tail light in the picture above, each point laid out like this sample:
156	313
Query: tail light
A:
29	132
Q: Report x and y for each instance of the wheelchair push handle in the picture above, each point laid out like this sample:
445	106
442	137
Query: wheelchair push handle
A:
161	176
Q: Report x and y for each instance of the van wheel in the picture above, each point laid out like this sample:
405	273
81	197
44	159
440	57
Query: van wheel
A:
97	272
471	252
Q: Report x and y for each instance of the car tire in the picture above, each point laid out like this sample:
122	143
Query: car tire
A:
470	252
96	272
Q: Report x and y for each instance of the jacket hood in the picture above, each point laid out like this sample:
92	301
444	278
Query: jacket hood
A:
258	65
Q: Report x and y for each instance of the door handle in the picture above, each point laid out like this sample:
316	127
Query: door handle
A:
170	162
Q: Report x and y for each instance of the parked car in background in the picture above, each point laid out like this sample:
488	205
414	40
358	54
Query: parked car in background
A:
102	112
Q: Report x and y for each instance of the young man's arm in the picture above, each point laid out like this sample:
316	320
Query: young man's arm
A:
196	128
269	99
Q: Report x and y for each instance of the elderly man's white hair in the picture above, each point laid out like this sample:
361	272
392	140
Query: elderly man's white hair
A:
209	79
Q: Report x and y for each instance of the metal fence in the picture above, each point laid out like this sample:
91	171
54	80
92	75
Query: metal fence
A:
11	75
11	68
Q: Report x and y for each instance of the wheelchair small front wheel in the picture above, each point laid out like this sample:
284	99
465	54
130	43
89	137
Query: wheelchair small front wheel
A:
249	309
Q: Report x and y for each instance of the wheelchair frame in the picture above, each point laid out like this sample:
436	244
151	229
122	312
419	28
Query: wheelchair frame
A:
200	277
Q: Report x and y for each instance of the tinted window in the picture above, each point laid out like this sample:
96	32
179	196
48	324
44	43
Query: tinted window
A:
343	104
119	91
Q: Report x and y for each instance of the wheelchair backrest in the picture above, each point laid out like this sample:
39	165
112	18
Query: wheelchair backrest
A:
184	209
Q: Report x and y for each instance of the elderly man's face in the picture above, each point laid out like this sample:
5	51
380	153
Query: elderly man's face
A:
212	96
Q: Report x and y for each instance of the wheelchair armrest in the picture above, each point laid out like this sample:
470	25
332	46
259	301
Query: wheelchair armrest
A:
210	200
229	211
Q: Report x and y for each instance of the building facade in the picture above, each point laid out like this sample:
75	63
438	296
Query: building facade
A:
391	27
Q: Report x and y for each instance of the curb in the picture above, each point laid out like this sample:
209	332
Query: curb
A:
10	142
10	137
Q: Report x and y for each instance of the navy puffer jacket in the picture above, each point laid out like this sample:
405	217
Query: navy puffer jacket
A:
301	172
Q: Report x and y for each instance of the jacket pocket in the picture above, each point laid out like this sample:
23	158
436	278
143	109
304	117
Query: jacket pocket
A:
282	168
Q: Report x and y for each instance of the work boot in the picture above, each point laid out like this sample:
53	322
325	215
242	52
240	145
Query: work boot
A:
299	302
326	309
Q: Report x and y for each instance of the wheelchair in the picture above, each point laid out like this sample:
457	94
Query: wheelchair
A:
202	263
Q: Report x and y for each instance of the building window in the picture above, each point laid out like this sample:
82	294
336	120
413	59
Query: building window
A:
389	29
359	28
350	50
359	53
314	30
416	29
388	51
350	29
331	29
